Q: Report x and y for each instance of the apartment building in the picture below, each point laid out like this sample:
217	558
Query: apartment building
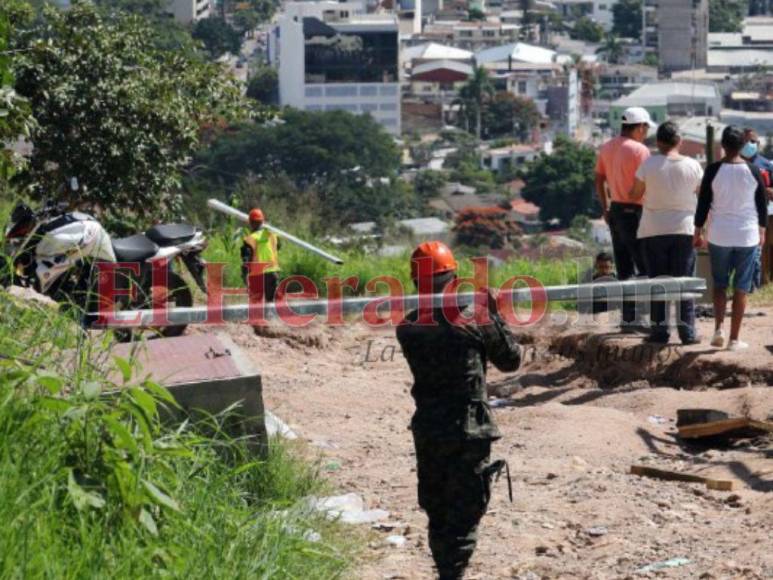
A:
677	30
189	11
334	56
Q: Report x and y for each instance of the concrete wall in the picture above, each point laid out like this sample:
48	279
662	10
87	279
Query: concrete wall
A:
189	11
683	27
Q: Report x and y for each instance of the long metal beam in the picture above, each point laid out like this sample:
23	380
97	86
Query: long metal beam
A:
664	289
240	215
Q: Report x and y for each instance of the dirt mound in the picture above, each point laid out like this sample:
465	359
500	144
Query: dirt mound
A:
612	361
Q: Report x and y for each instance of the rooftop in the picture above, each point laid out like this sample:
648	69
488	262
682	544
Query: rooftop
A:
661	94
426	226
518	52
454	65
694	128
748	57
524	207
435	51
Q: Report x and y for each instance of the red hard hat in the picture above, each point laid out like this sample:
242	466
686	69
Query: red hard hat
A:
442	258
256	215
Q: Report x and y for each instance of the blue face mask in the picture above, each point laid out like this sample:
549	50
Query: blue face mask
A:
749	150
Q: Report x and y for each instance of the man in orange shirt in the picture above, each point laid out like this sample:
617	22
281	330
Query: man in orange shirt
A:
616	167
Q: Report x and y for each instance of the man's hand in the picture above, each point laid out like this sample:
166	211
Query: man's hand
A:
493	307
769	190
698	241
605	214
762	237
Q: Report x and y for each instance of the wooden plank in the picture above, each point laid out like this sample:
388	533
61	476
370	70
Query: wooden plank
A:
762	425
720	427
713	428
716	484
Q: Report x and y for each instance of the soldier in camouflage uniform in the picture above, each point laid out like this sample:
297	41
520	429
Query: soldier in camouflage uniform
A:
453	426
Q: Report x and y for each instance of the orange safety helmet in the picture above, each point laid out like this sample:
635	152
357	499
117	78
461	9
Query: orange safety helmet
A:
442	258
256	215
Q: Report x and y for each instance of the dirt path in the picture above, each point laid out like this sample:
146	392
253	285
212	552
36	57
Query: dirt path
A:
577	513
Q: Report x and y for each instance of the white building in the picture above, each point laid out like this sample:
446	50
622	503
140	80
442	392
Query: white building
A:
509	157
334	56
189	11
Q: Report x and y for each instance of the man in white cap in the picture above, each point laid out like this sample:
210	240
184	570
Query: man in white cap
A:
616	167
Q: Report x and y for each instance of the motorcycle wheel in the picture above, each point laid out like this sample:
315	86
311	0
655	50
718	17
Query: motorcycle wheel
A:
178	295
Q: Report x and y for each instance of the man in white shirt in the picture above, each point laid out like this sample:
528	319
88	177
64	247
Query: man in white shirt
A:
668	183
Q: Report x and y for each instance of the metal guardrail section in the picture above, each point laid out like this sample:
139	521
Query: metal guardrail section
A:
665	289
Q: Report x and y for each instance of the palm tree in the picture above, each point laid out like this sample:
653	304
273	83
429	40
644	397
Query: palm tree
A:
472	96
612	48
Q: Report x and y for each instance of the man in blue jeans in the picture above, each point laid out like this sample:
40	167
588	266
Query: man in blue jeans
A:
668	182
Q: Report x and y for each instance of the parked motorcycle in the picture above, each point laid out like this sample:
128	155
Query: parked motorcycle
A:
55	252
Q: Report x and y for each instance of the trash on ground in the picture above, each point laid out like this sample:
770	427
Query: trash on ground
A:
348	508
672	563
396	540
275	426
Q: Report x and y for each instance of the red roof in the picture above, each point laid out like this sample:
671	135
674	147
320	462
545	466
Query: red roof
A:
524	207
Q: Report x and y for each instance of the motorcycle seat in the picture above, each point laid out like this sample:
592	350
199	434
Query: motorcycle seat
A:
134	248
171	234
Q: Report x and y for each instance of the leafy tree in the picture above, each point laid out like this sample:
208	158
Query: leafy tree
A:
587	30
651	59
486	227
140	7
113	110
626	16
263	85
349	161
561	184
246	20
508	114
218	36
727	15
475	14
265	9
612	49
472	97
427	184
15	118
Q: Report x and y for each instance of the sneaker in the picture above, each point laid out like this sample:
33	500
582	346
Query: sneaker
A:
691	341
718	340
737	345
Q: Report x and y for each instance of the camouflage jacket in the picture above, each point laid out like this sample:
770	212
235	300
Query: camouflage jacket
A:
448	362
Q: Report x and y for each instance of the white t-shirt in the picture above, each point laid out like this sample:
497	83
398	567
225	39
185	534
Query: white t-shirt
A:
733	221
670	196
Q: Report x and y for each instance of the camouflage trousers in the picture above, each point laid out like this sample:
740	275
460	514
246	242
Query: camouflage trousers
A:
454	489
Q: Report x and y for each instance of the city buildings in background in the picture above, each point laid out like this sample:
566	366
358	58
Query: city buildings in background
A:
335	56
189	11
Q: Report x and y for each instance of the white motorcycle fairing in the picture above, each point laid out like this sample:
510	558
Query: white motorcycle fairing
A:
63	247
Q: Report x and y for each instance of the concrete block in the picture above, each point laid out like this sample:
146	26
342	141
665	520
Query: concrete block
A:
206	374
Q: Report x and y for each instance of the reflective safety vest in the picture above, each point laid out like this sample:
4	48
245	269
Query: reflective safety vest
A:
264	250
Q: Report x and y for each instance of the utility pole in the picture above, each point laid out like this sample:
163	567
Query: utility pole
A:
709	143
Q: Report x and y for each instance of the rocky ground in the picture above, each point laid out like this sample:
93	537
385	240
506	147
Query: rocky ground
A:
585	407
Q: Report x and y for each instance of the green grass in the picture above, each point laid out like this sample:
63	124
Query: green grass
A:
95	486
365	266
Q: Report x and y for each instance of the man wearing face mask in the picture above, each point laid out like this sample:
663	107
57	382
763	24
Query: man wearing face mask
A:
750	153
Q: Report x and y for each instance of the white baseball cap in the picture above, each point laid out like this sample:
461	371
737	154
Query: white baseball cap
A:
637	116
